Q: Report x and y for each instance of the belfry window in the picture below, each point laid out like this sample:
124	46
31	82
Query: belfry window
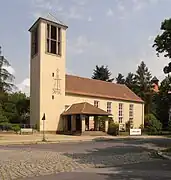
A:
53	39
34	42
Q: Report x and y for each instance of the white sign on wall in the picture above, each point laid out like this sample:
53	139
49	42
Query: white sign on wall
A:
135	132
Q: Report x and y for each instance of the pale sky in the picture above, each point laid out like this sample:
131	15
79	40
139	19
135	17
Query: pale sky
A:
117	33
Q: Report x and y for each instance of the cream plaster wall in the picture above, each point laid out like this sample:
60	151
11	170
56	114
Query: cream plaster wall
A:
35	86
41	76
35	90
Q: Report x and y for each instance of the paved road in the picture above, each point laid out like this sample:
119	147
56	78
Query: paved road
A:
105	160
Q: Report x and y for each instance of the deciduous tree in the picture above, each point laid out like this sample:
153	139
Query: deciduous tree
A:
162	42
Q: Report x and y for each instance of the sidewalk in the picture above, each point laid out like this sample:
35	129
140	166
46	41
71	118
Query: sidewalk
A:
6	139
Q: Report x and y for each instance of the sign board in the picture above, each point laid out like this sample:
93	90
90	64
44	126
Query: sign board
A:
135	132
26	130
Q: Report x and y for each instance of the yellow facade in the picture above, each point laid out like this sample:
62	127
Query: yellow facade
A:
138	110
42	66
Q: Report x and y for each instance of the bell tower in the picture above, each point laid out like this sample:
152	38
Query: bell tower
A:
47	72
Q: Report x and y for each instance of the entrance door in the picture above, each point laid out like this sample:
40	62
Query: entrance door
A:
78	123
69	122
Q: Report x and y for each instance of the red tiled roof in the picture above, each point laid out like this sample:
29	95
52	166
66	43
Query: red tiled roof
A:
84	108
97	88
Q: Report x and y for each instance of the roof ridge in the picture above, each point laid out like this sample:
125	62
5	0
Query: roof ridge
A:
83	107
55	18
98	88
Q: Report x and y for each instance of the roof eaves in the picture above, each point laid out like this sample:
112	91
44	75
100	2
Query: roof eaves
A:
44	19
104	96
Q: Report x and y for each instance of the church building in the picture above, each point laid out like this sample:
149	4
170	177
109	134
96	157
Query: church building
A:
71	103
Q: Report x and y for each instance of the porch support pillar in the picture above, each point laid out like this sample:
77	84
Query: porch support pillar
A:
91	122
82	123
106	125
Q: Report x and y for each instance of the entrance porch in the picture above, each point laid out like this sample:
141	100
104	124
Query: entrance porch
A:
82	117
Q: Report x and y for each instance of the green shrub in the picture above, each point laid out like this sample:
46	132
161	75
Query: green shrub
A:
154	125
16	128
5	126
3	119
113	129
141	127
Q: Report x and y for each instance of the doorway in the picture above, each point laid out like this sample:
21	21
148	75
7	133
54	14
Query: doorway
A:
69	122
78	123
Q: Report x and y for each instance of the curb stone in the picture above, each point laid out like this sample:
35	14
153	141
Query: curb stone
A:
41	142
62	141
163	155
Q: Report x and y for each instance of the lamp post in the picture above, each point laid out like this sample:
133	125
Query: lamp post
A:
43	119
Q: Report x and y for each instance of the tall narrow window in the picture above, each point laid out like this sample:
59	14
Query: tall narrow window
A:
34	42
131	114
59	41
53	39
120	113
96	104
109	107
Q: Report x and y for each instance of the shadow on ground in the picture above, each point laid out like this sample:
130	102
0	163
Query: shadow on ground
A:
112	156
127	159
159	142
112	152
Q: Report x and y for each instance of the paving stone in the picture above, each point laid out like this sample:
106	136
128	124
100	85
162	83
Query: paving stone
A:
22	163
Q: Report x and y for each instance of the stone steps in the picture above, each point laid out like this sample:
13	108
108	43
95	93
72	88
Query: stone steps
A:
94	133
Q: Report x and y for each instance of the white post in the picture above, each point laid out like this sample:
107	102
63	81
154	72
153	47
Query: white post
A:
83	123
106	125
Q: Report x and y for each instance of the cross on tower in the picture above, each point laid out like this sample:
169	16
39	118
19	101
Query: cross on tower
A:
57	88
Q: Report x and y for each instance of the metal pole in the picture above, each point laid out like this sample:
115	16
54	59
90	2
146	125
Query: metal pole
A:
43	131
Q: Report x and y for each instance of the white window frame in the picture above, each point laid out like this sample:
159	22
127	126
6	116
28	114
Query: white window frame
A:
131	113
58	40
96	103
109	107
120	113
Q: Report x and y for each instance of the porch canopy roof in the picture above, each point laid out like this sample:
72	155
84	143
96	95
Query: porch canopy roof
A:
85	108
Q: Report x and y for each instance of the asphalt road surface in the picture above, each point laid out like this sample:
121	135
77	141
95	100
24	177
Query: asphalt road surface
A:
103	160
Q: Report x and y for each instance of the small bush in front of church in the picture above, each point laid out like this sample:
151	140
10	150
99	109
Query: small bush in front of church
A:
113	129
